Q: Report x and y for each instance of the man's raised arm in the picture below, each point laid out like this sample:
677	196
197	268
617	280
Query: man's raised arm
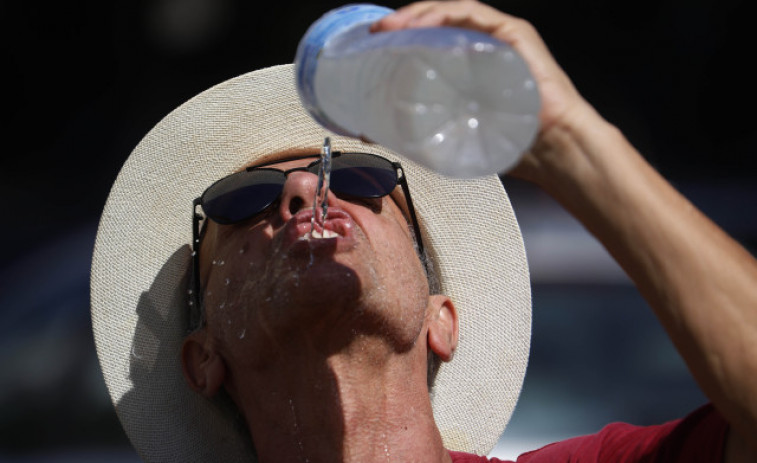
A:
701	284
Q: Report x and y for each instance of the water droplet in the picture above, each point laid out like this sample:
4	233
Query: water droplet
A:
220	262
241	335
214	261
194	253
241	251
227	281
472	122
222	305
438	138
430	74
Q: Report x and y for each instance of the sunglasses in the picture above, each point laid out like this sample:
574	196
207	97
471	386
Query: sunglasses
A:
243	195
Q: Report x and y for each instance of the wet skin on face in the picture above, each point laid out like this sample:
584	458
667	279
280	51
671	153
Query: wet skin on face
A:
266	285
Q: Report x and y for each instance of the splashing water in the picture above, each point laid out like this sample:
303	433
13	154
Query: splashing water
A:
320	202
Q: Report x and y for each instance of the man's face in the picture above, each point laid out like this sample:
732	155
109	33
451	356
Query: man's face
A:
268	287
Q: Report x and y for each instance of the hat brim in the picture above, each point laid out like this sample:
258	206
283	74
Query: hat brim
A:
139	290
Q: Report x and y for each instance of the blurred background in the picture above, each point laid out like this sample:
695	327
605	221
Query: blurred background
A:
86	80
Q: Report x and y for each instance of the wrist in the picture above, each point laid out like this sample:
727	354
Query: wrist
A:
572	151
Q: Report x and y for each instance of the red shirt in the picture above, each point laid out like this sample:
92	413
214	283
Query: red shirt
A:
698	438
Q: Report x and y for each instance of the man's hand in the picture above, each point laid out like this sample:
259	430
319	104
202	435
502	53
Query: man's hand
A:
562	105
701	284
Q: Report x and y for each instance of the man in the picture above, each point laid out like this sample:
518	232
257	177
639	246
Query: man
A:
321	346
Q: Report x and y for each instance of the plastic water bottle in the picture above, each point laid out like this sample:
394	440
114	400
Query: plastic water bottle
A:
455	100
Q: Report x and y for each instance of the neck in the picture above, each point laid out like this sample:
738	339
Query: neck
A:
362	404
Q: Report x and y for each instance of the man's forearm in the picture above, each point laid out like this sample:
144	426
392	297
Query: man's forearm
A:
700	282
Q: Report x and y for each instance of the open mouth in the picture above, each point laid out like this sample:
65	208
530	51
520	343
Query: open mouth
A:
338	225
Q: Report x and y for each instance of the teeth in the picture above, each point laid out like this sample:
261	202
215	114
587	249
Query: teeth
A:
315	234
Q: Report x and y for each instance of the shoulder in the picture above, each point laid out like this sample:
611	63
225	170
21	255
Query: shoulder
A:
462	457
698	438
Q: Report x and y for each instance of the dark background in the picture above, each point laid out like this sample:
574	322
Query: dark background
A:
86	80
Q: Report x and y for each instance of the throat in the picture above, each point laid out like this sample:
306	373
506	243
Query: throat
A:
342	409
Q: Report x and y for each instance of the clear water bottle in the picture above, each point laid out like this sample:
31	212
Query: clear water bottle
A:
455	100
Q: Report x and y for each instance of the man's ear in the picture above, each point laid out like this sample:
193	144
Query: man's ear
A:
204	369
442	326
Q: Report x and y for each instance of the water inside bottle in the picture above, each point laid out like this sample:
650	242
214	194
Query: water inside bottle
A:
463	110
320	201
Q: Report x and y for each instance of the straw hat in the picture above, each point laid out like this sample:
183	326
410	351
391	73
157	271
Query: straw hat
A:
139	285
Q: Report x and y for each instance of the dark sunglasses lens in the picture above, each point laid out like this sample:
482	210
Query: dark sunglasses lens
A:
242	195
362	175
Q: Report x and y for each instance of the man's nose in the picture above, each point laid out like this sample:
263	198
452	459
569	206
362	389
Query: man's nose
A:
299	193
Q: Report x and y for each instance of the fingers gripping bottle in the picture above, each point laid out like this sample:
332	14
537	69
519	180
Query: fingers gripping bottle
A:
455	100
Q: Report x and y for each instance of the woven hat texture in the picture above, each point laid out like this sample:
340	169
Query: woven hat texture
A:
139	282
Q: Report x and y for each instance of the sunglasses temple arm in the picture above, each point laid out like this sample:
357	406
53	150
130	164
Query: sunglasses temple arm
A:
411	209
195	310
